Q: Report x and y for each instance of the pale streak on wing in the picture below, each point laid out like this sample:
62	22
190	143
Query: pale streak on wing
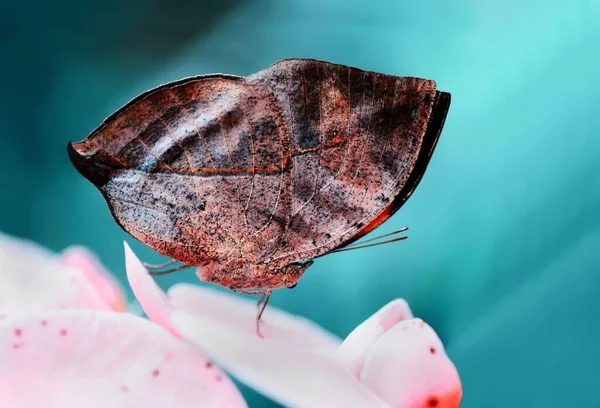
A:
207	147
178	143
149	149
196	180
169	130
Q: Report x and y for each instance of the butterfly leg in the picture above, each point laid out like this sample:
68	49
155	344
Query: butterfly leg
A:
260	301
154	269
261	306
168	271
159	266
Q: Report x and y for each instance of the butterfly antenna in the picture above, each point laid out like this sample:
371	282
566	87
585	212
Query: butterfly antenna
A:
401	230
168	271
369	245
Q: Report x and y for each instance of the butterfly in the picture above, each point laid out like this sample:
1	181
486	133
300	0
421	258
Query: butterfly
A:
252	178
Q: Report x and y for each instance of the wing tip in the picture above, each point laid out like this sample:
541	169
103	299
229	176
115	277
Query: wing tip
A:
88	167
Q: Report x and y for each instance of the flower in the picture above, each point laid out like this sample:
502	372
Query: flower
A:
390	360
33	279
64	343
90	355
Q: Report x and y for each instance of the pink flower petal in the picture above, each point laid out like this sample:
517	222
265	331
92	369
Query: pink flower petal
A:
224	307
353	350
150	296
221	306
32	280
408	367
106	285
18	252
103	359
293	376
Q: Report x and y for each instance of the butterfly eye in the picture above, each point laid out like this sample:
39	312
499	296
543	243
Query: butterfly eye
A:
292	286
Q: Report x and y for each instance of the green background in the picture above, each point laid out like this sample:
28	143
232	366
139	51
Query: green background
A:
503	257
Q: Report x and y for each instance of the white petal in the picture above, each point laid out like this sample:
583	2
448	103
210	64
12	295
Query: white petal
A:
293	376
220	306
408	367
149	295
226	308
32	280
17	251
91	359
352	351
107	286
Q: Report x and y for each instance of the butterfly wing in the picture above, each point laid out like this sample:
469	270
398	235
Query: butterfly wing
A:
360	143
280	166
194	169
432	134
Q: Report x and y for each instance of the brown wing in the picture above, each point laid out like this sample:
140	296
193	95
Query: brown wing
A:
432	134
358	147
194	169
283	165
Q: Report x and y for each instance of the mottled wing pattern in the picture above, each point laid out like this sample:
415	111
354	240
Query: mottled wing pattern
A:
355	137
281	166
194	169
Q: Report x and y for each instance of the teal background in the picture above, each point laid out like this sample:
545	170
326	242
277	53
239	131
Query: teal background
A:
503	257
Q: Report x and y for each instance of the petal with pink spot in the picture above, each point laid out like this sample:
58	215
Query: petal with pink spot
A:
294	376
95	359
408	367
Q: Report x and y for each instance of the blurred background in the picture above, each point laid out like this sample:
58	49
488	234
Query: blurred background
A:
503	257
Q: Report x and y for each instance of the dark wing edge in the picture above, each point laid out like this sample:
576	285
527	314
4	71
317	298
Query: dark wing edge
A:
430	140
437	118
